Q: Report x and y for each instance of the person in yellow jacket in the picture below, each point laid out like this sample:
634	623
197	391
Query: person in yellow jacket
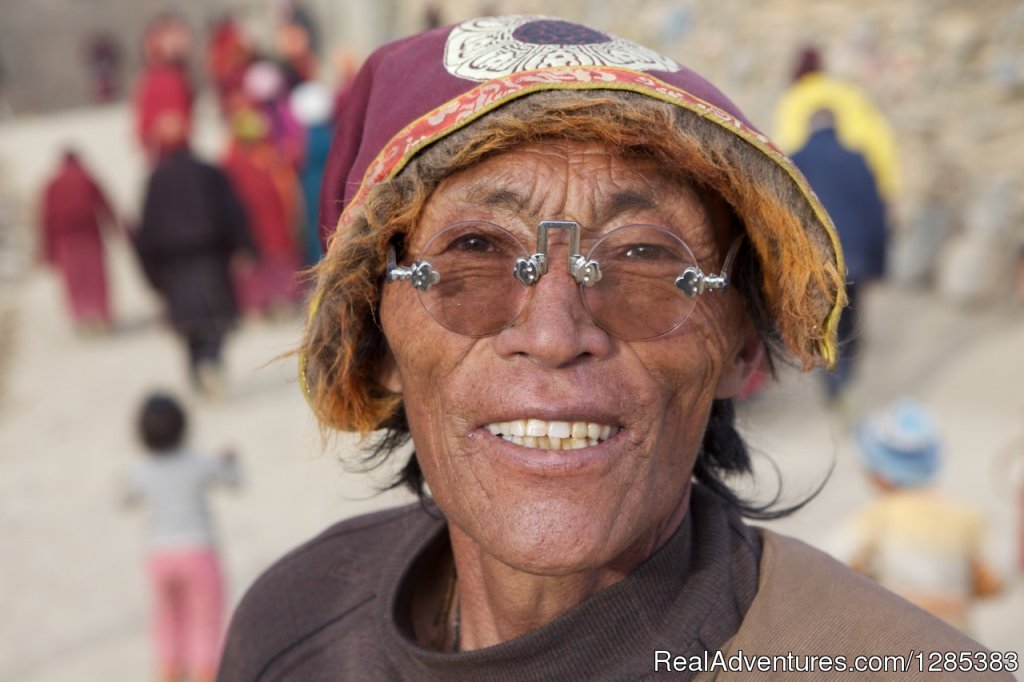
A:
859	123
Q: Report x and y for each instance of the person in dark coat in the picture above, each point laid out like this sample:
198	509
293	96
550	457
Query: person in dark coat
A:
844	183
72	212
193	226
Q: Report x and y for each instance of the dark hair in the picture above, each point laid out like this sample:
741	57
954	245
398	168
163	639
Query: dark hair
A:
162	423
807	62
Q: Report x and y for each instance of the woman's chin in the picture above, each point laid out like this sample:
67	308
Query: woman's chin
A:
554	538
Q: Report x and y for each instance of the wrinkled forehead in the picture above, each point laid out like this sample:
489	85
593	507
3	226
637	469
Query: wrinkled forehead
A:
589	183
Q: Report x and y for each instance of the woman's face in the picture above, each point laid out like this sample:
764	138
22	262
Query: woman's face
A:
556	512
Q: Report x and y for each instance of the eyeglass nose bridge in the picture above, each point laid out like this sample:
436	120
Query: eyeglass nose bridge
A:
584	271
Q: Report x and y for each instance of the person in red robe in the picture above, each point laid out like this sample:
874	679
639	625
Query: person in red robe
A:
73	209
227	56
268	189
164	88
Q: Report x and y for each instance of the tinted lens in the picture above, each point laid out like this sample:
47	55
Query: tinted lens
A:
636	297
477	293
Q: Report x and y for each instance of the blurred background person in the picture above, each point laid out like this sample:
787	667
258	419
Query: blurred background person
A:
186	581
432	16
844	183
298	61
74	209
861	126
296	13
268	189
193	227
912	538
103	59
164	87
228	54
311	104
266	91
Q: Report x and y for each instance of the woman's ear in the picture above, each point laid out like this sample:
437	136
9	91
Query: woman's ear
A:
738	369
387	373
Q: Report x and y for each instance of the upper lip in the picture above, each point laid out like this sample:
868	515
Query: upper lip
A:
552	414
558	396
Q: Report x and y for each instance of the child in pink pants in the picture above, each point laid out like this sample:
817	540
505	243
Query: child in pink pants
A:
183	564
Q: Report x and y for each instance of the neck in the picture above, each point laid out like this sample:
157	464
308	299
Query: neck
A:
499	602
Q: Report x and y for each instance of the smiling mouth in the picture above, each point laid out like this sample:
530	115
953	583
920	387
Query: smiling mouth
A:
552	435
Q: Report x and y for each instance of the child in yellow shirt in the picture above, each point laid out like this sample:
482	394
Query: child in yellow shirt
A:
913	539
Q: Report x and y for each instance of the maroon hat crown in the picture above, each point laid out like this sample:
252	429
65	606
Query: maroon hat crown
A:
419	89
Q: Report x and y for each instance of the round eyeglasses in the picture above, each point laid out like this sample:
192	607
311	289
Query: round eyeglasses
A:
637	282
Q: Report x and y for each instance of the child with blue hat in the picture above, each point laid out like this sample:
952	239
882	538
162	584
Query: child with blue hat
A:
900	445
912	538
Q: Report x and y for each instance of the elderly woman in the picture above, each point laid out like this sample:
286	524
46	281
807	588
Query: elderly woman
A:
555	257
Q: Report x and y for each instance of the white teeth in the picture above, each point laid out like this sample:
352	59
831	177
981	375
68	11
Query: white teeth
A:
553	435
559	429
536	427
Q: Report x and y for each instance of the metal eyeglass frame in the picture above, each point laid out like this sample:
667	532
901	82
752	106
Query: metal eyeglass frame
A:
692	281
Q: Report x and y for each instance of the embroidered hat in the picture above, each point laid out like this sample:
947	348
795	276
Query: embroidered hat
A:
900	444
422	89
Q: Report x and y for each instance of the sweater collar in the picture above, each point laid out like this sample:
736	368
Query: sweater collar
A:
688	597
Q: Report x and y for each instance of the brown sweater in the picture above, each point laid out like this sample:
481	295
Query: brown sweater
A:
338	608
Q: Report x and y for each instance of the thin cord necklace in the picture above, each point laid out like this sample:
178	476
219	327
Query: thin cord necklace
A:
449	616
456	623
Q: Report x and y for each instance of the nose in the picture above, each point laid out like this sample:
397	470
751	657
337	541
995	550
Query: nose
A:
554	329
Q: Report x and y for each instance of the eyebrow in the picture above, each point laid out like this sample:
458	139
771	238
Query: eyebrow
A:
616	205
623	202
505	199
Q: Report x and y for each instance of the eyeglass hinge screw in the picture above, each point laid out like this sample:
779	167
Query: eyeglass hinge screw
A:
420	274
585	271
693	282
527	270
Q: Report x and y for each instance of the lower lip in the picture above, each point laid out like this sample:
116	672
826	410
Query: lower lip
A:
552	462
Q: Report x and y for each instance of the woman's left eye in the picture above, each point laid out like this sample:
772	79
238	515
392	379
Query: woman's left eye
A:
473	242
